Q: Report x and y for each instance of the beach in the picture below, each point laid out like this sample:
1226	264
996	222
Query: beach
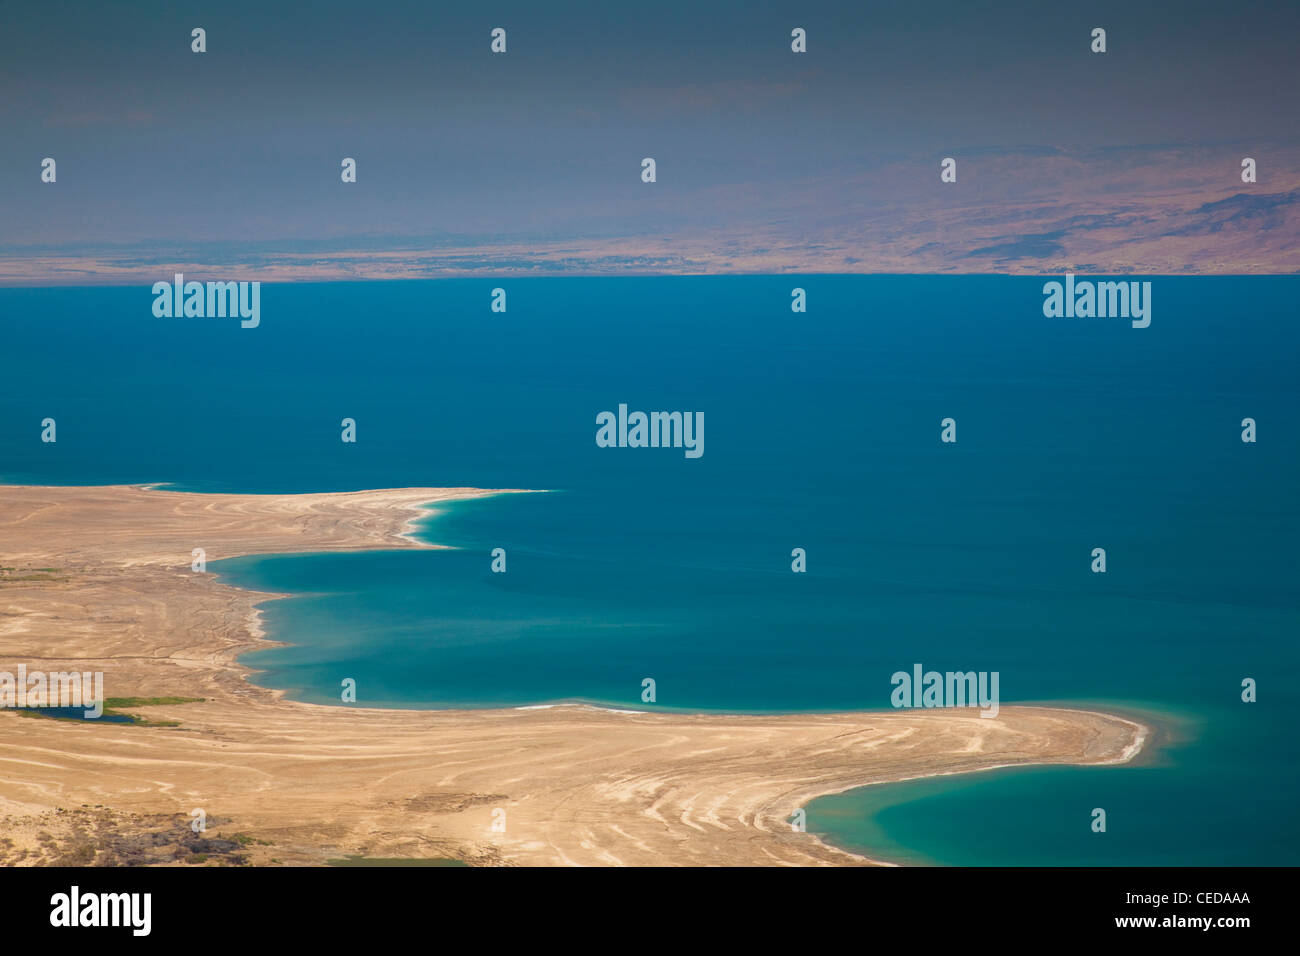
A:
100	579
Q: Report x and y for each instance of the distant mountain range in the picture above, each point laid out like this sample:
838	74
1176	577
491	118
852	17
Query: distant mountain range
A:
1150	210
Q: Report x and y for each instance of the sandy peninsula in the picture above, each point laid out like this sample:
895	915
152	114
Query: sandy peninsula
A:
99	578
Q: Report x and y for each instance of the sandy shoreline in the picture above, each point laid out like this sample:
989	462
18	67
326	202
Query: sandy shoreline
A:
302	783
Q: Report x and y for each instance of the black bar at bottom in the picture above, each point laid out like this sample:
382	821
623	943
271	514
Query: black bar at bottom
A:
388	905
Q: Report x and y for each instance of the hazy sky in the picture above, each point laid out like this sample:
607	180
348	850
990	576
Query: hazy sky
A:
154	142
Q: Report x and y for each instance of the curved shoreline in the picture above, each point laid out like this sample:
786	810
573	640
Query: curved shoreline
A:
1140	737
579	785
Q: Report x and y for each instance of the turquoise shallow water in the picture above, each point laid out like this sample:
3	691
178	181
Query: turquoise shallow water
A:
822	433
1172	807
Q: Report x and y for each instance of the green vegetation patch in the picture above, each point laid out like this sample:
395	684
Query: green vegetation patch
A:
114	709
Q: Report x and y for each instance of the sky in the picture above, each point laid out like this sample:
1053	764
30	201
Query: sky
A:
242	144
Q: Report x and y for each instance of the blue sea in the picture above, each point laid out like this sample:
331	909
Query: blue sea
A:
822	433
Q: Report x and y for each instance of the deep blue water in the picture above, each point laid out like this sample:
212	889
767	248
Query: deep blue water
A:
822	432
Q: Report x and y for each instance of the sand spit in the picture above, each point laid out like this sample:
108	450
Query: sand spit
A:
98	578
